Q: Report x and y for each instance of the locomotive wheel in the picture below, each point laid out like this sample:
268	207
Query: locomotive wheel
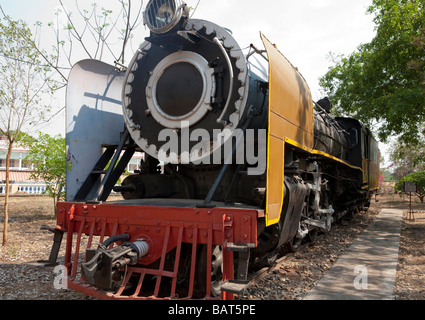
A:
271	257
216	271
294	245
312	235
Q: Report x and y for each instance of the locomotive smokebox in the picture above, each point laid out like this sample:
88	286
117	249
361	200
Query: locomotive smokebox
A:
189	74
180	88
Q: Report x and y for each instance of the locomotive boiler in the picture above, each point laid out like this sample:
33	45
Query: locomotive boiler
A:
238	163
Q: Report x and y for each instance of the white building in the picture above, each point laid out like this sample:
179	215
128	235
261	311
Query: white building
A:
20	171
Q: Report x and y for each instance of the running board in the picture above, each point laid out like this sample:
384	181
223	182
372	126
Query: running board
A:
239	285
234	286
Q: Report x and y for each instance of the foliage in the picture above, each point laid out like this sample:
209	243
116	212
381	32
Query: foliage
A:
88	29
48	156
386	175
384	81
23	81
419	178
407	158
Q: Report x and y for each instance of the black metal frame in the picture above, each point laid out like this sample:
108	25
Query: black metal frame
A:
117	165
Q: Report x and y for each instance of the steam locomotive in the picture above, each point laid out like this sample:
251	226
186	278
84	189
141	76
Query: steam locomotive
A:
238	163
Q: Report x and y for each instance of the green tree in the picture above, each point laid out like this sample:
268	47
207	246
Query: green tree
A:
48	156
407	158
23	82
384	81
419	178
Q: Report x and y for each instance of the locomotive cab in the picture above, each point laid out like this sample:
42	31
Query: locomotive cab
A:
363	152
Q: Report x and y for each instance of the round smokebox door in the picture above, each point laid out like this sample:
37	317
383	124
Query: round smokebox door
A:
180	89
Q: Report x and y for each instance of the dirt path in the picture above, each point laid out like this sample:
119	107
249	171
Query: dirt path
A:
410	279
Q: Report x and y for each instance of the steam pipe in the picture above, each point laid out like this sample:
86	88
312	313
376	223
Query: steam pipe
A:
230	67
111	240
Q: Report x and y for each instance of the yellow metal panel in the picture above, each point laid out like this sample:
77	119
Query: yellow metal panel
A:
290	116
275	176
365	165
290	101
374	175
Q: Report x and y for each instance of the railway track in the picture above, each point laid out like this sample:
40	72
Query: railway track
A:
283	257
294	274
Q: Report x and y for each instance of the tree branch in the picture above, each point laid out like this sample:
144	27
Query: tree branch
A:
42	54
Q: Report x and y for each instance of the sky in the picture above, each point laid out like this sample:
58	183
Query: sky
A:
305	31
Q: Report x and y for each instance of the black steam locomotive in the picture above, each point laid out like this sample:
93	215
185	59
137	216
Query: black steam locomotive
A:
238	162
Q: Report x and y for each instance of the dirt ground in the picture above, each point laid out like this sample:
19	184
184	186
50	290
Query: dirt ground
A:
22	278
410	279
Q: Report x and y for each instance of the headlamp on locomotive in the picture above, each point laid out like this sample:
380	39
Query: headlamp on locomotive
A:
162	16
